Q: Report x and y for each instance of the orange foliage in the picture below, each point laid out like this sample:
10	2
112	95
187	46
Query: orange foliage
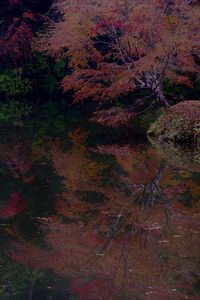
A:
75	167
116	46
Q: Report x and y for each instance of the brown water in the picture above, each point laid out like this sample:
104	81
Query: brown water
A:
107	222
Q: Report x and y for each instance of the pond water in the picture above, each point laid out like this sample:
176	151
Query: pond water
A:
98	222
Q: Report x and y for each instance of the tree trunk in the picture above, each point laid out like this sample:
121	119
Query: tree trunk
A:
160	97
152	191
152	82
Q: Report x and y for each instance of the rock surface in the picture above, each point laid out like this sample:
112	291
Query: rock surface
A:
179	123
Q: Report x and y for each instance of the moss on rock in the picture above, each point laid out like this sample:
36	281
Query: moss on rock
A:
179	123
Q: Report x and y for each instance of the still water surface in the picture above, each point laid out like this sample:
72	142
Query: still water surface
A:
102	222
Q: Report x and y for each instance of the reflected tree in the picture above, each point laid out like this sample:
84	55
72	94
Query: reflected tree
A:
134	233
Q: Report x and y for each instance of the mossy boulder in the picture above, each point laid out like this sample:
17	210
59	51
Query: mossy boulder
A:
179	123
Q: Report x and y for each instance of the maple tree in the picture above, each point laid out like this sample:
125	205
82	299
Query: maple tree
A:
15	42
117	46
17	30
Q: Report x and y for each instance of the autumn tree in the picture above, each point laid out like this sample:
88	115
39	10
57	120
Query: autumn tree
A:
117	47
17	29
16	32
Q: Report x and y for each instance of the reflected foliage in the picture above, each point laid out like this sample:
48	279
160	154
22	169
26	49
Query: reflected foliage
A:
118	222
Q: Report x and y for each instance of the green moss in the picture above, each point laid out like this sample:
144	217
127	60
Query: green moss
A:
180	123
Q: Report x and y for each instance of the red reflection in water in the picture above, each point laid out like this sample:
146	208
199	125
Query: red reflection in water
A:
15	206
97	288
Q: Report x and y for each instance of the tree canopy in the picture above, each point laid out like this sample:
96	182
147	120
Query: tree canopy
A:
116	47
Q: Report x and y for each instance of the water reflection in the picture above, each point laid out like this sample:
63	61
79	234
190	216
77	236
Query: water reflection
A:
110	222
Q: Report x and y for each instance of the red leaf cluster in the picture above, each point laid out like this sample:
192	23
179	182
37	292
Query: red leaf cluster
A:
103	24
113	117
183	80
16	44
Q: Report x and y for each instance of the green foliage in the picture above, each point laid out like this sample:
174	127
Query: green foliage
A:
93	197
47	122
142	123
14	279
14	113
187	198
180	91
45	73
12	83
17	279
